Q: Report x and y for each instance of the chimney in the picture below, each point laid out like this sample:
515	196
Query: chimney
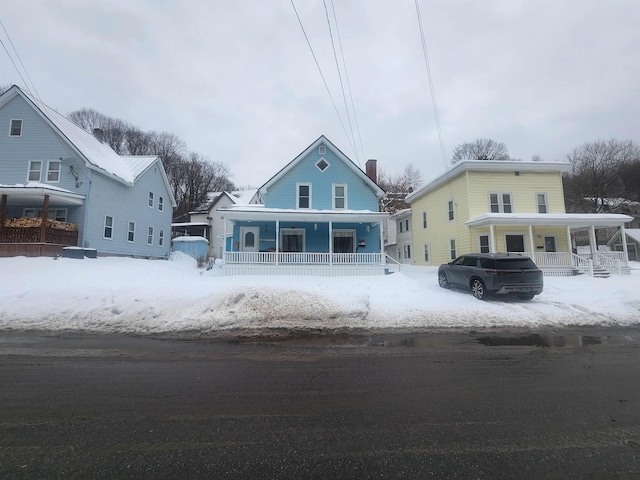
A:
371	169
99	134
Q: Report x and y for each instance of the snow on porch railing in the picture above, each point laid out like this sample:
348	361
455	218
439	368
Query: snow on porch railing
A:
307	258
553	259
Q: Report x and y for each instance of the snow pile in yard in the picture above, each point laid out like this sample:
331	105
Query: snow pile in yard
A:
154	296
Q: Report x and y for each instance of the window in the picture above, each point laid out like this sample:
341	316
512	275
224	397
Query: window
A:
542	203
292	240
344	241
400	226
426	253
35	167
160	203
500	203
131	234
150	236
108	227
407	251
339	196
322	149
483	243
450	207
304	195
59	214
322	164
150	203
406	224
15	130
424	219
53	171
452	249
161	238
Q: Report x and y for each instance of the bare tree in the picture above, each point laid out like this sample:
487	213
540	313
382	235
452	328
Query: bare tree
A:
4	88
481	149
398	187
113	129
595	172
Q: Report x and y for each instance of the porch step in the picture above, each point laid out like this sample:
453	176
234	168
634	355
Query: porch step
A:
601	272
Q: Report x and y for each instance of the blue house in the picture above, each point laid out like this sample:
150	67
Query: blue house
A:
91	197
319	215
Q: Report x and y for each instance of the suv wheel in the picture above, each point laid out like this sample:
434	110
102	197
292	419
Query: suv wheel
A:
442	280
477	289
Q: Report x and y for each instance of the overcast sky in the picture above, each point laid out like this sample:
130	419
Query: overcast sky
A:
237	82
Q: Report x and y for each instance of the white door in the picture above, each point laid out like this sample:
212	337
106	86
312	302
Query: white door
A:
249	239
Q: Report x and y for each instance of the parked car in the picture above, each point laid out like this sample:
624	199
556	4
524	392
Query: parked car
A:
493	274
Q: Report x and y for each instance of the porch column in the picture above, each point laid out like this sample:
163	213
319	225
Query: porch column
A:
330	242
592	242
3	212
569	246
531	242
492	239
277	242
623	237
382	258
45	217
224	242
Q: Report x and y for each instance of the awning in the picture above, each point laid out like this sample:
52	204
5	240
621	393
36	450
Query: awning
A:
31	194
573	220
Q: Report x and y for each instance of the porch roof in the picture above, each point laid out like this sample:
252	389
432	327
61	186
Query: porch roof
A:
33	193
261	214
575	220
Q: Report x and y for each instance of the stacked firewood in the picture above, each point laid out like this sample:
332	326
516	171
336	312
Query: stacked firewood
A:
36	222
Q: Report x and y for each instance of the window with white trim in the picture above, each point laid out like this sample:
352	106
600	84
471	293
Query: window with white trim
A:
399	226
452	249
59	214
483	243
53	171
339	196
322	149
450	207
426	253
131	233
303	195
406	224
150	236
500	203
424	219
322	164
108	227
160	203
542	203
407	251
15	128
161	238
35	171
150	202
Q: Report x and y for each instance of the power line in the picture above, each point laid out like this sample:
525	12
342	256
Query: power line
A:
321	75
346	74
20	60
344	97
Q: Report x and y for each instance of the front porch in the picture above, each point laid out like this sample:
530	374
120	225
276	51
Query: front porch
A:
289	242
547	240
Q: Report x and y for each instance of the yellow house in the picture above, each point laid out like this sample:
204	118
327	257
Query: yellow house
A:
481	206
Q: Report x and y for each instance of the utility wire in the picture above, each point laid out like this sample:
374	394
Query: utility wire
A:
20	60
346	74
320	70
433	94
344	96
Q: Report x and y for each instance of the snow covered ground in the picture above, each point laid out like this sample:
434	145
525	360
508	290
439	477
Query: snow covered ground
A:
124	295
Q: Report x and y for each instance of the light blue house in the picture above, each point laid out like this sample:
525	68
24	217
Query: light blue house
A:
319	215
51	168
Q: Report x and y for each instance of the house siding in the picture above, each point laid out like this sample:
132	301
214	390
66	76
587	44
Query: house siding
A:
283	193
128	204
439	228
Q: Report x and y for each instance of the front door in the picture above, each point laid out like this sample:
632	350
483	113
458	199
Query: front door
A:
515	243
249	239
550	244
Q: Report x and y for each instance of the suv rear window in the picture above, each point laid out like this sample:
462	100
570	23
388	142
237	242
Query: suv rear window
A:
514	264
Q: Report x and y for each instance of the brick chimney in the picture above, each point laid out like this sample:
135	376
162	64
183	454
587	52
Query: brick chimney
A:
371	169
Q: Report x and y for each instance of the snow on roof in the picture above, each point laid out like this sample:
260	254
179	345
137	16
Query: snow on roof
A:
139	163
195	238
633	233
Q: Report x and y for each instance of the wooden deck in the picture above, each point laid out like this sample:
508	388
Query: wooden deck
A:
29	241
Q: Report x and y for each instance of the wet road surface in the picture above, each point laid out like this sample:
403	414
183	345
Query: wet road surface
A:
520	405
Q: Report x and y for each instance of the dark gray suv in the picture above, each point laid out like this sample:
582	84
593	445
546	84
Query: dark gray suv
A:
493	273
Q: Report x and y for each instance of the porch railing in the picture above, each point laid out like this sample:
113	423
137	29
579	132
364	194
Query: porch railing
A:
303	258
612	261
32	235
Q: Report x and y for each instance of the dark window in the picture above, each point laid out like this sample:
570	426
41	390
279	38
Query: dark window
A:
514	263
16	128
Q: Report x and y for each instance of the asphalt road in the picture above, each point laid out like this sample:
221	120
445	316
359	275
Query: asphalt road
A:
465	405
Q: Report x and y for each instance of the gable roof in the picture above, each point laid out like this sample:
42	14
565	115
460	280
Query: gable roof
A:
141	163
97	155
632	234
322	140
487	166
